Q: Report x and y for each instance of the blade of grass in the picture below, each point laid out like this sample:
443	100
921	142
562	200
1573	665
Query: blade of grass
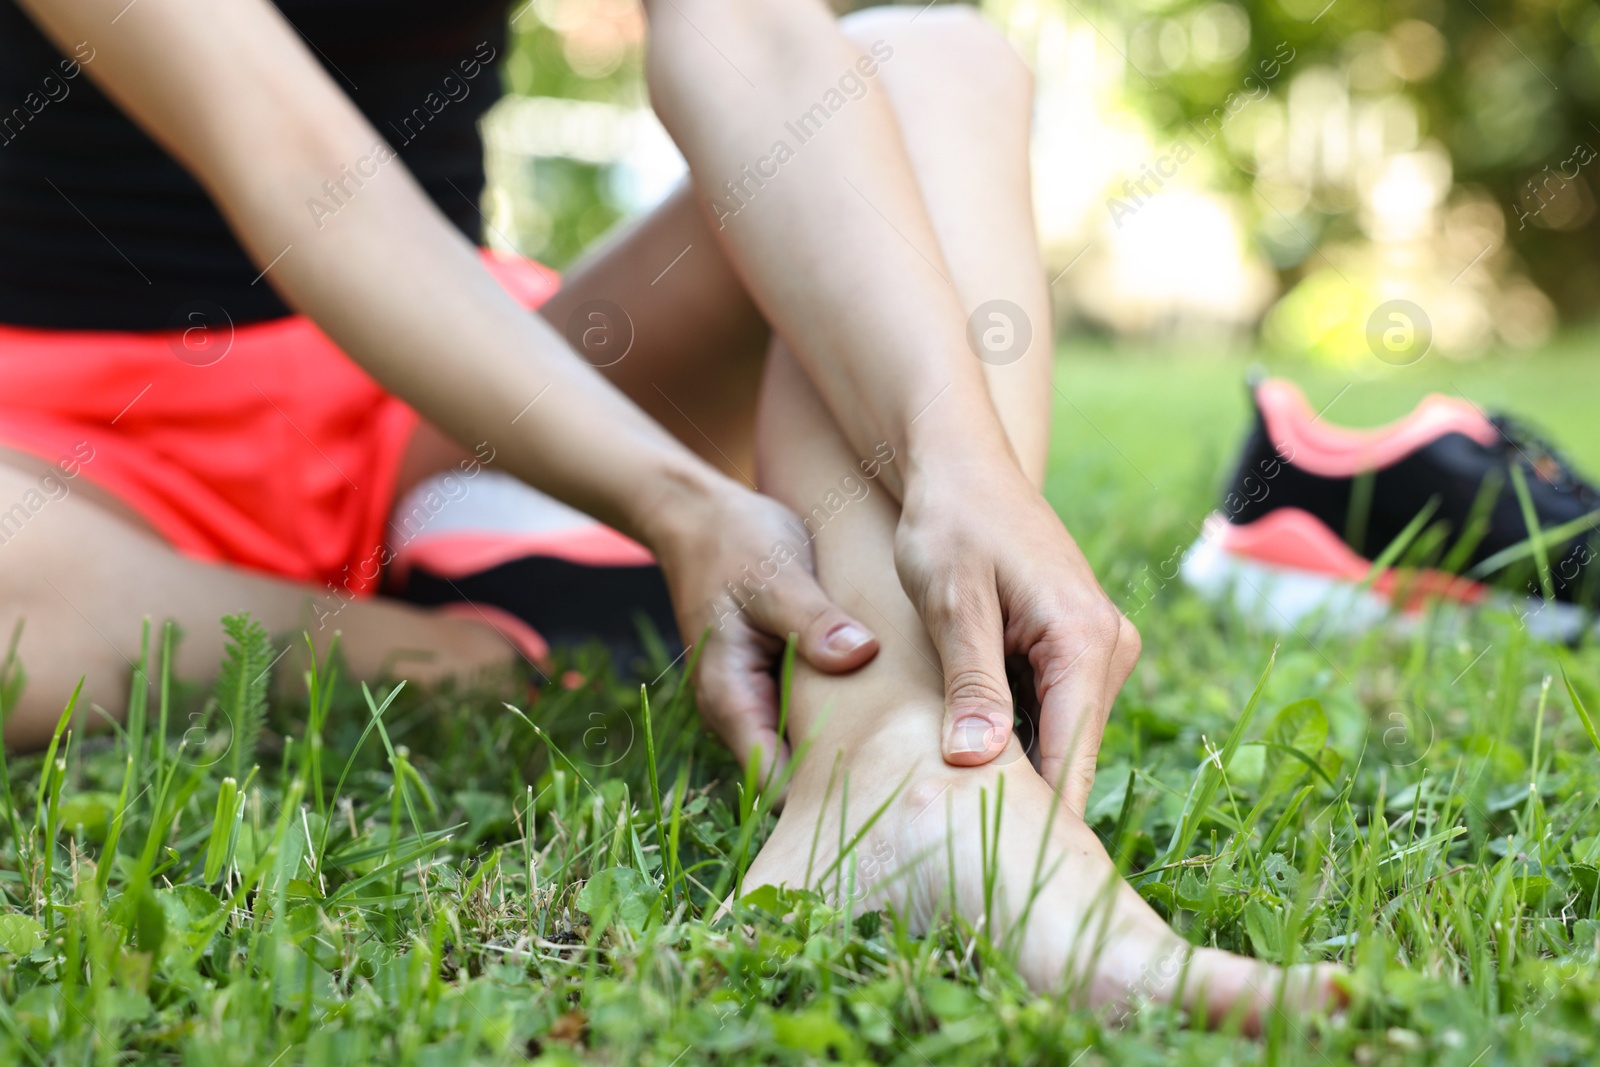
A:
816	832
1036	881
763	803
221	830
1477	524
552	746
1209	779
50	752
1401	541
397	763
679	789
139	700
1530	519
9	694
108	852
1578	706
1355	527
319	688
865	828
1525	547
655	791
168	637
350	762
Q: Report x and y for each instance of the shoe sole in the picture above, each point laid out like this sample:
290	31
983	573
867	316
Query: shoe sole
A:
1330	595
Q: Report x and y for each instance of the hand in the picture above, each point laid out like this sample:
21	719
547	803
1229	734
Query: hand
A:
734	563
992	571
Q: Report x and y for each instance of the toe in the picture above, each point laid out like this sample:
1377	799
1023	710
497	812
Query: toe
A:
1225	989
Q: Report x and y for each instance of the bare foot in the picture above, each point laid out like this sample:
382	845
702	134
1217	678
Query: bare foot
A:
1085	931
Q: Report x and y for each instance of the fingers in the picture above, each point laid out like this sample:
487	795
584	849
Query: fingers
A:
738	695
1079	677
966	628
735	682
828	638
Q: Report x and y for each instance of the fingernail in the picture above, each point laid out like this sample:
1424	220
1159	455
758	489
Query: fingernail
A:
971	735
846	637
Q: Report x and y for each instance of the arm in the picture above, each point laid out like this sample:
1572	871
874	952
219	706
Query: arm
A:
230	91
825	223
829	233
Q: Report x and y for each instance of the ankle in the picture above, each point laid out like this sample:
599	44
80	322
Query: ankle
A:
876	751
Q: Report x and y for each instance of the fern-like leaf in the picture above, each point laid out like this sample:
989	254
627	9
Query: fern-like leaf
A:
241	690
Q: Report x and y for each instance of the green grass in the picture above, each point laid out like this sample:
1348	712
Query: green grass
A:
410	877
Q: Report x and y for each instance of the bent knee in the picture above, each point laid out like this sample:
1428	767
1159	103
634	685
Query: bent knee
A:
941	41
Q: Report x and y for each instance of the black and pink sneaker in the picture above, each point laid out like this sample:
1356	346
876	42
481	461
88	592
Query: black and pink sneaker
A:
1343	529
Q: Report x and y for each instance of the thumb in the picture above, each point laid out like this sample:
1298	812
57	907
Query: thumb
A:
742	707
977	697
829	638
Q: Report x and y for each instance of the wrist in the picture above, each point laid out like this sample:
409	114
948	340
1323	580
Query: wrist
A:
955	438
680	495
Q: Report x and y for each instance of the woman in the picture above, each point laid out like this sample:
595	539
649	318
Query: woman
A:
857	188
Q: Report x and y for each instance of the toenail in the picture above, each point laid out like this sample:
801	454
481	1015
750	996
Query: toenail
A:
846	637
972	735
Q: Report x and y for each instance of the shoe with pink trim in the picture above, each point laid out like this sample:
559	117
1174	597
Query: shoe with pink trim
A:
491	548
1312	508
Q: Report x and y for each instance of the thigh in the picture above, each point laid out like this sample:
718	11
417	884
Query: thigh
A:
698	343
82	580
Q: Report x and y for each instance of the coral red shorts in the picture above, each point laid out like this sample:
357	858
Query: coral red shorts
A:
263	446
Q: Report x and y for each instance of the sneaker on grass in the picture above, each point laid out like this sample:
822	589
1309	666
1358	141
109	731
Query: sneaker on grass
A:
1341	529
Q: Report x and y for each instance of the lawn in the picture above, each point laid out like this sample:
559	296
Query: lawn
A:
449	882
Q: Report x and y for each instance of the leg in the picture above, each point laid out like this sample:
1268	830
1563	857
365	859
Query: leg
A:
88	569
963	99
699	340
83	578
1087	932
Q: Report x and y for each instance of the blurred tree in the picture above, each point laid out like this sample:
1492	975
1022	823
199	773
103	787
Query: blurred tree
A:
577	49
1510	89
587	50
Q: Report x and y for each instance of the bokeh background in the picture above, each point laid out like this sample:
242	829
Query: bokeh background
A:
1208	174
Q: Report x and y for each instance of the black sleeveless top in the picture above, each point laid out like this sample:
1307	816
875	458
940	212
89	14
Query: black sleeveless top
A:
101	229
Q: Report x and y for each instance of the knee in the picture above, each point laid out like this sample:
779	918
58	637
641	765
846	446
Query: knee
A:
945	42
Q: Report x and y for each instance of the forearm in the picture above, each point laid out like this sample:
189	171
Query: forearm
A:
232	93
810	192
399	289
